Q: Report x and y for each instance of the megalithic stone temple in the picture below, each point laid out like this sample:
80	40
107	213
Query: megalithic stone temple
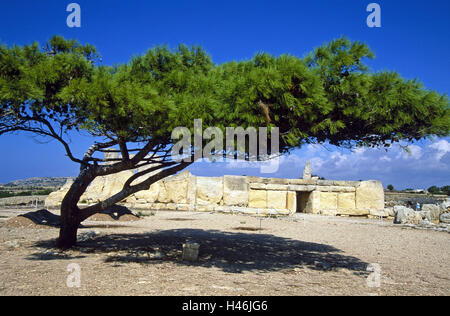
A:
241	194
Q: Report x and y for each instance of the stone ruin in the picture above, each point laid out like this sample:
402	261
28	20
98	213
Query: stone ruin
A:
244	194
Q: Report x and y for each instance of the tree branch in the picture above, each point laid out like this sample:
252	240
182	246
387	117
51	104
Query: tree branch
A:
127	191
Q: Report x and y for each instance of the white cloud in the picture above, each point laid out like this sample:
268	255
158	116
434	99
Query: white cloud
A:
427	164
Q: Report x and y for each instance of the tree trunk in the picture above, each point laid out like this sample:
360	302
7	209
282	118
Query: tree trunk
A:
70	213
69	227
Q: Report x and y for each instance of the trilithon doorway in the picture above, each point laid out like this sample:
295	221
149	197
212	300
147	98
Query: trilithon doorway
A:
302	201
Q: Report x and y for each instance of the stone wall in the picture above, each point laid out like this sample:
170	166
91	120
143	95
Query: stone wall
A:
403	198
255	195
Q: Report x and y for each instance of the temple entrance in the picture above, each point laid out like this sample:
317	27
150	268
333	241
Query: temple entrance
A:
302	201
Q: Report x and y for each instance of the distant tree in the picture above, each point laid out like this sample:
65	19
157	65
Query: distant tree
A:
329	96
446	189
390	187
434	190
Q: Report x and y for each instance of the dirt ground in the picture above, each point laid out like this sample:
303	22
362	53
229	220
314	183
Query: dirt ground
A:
301	255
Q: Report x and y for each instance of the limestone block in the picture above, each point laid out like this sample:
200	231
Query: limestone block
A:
302	181
150	195
435	211
94	192
257	199
171	206
192	192
276	199
353	212
379	213
313	203
291	203
182	207
131	200
177	190
235	191
346	183
346	201
328	201
325	182
55	198
163	194
370	195
328	212
278	181
284	212
336	188
258	186
405	215
114	183
301	188
205	208
209	190
255	180
277	187
307	171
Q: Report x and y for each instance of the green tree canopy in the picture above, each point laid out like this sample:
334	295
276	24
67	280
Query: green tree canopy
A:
328	96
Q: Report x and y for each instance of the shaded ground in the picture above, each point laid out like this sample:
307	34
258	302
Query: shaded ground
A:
46	219
309	255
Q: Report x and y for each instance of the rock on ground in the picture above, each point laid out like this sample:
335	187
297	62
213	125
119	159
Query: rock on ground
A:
405	215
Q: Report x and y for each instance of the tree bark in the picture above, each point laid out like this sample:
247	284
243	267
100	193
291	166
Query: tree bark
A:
70	213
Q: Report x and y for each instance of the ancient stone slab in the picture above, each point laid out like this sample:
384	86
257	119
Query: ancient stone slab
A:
235	191
329	212
177	190
307	171
148	196
445	218
301	188
405	215
55	198
325	182
313	204
353	212
434	210
114	183
276	199
370	195
278	181
346	201
379	213
328	200
163	195
209	190
302	182
336	188
276	187
257	199
291	203
192	192
255	179
346	183
258	186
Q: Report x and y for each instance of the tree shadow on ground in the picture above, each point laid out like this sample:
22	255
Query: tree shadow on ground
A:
228	251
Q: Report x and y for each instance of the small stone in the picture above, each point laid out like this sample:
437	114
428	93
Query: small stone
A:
445	218
322	265
12	244
405	215
190	251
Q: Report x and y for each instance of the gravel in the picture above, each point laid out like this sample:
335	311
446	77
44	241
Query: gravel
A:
300	255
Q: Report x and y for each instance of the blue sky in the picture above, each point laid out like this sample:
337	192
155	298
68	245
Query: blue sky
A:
413	40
